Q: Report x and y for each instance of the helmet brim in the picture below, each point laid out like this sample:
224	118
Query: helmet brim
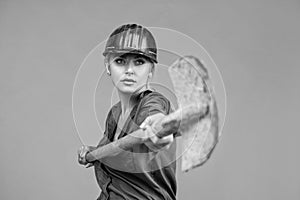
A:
130	51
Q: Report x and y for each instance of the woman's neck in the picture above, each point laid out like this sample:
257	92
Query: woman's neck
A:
128	101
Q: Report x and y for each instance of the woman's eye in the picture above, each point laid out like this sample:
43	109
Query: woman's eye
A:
120	61
139	62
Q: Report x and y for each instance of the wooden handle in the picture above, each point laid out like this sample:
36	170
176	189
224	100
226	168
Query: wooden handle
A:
182	118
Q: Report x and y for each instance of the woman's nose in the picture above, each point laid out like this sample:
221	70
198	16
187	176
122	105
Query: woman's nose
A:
129	69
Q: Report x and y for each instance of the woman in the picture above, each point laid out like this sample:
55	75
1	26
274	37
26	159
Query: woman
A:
146	170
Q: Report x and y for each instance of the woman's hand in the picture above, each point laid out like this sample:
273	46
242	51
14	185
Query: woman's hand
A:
152	126
82	152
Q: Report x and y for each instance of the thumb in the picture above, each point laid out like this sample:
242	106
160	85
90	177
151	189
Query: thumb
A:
146	122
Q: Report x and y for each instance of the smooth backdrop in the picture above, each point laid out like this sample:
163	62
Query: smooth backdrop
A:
256	45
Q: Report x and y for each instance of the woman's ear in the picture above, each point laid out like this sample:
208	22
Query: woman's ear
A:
150	75
107	67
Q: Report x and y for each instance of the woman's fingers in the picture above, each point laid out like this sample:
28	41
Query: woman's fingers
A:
89	165
162	141
151	126
159	144
82	151
155	143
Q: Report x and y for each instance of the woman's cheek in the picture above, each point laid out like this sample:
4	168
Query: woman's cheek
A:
115	80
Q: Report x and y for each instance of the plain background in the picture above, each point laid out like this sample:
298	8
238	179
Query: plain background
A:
254	43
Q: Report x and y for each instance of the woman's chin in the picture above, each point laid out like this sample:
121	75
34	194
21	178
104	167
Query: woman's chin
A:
127	90
130	90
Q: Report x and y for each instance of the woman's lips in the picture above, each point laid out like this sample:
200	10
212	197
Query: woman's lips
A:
128	81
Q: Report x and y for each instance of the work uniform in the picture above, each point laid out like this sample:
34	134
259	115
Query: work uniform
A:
138	173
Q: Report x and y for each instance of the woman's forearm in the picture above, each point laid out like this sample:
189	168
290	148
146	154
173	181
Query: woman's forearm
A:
118	146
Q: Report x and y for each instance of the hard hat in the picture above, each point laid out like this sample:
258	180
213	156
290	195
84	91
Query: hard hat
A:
132	38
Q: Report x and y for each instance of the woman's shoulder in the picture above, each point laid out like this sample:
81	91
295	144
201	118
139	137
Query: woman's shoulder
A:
156	102
154	96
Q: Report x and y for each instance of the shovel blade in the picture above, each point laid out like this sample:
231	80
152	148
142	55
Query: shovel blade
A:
192	86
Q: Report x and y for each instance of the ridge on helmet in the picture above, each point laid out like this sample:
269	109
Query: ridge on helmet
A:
132	38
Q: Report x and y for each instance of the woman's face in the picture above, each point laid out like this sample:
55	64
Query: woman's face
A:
129	72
